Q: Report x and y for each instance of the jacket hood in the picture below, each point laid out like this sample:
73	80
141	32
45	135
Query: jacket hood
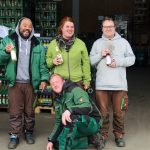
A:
17	29
24	44
68	85
117	36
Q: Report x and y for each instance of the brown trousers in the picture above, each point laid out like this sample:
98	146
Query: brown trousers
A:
22	117
104	100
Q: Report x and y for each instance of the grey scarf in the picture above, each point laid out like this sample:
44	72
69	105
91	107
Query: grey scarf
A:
65	44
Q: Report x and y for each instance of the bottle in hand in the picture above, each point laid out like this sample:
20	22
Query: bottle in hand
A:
108	59
13	53
59	58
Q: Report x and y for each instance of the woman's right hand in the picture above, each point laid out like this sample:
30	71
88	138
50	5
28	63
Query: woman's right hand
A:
49	146
56	62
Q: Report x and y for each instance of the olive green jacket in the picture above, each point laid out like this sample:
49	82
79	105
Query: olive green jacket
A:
76	64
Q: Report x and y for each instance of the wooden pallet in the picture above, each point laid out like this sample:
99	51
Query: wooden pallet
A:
39	108
2	108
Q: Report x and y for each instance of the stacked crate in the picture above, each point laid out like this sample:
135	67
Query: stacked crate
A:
44	101
3	88
44	98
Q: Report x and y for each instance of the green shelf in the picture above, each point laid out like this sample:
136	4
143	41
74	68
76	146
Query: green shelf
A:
46	18
10	11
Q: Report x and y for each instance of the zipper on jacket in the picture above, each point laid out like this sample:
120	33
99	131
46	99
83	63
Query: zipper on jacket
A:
68	65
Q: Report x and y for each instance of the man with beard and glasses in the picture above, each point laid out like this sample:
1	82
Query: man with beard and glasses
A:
25	73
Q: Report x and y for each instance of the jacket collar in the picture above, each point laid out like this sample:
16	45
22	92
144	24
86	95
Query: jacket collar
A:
34	40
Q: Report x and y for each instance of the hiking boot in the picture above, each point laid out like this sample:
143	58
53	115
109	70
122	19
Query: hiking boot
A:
120	142
14	141
98	141
102	142
29	138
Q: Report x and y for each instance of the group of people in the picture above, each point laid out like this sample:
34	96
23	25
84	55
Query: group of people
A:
66	65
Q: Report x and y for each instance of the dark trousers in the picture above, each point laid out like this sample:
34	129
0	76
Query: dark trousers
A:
75	134
104	100
22	117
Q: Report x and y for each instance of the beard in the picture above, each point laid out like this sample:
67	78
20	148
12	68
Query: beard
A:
23	36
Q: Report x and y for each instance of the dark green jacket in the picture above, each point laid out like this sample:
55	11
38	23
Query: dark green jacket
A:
37	66
76	100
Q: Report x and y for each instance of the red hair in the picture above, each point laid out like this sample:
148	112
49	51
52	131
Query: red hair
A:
54	75
62	22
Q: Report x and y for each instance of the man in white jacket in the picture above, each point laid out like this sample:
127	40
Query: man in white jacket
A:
111	54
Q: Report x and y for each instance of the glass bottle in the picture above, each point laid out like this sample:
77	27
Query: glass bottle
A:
108	59
13	53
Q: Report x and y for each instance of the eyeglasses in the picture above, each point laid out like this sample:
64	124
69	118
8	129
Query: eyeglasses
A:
108	27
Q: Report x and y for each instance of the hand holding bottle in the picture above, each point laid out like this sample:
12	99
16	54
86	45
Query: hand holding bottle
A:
105	51
10	48
108	59
106	54
58	60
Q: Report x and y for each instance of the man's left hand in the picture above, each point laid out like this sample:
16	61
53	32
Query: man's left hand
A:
66	117
113	64
43	85
86	86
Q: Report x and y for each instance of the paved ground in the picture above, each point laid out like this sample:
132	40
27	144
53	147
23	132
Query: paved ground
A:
137	119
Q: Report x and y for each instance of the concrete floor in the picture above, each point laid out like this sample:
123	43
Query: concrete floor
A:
137	123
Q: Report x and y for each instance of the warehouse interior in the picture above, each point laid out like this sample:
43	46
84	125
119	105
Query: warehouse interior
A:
132	18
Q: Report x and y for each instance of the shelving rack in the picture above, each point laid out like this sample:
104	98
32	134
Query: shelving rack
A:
122	24
140	11
141	26
10	11
140	21
46	18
